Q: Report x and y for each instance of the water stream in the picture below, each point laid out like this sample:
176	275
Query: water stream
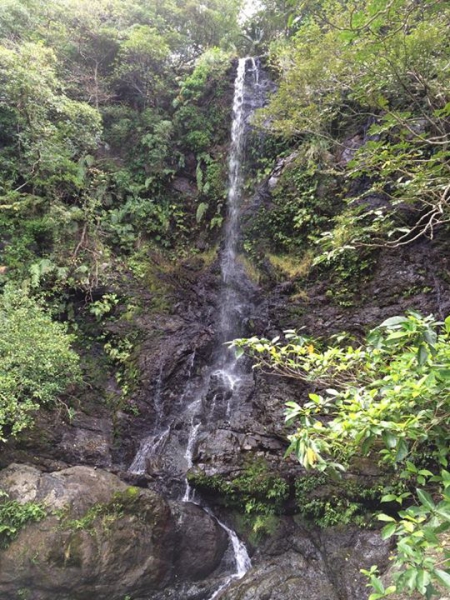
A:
212	395
232	308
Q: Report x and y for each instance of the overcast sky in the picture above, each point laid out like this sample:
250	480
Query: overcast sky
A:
250	6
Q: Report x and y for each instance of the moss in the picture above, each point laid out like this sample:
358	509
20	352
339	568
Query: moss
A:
14	516
299	211
292	266
255	528
327	502
255	491
251	270
103	514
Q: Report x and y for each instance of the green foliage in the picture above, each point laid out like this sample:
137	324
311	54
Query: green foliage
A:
37	362
200	123
14	516
377	69
256	491
48	130
327	501
297	213
423	549
388	398
257	495
392	390
90	138
103	307
102	514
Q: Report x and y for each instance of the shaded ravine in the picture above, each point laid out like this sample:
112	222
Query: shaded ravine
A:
209	397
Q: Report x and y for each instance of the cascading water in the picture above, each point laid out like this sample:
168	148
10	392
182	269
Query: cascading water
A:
235	282
241	557
211	395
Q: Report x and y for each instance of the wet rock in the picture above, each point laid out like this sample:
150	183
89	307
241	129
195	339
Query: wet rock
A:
185	186
200	542
219	446
108	540
307	564
88	441
289	578
279	168
54	442
350	146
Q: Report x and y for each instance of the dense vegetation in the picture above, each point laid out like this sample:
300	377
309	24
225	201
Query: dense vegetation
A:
363	107
114	117
388	400
114	125
363	101
99	111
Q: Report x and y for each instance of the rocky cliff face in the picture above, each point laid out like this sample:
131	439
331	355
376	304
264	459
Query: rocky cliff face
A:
103	537
106	538
155	549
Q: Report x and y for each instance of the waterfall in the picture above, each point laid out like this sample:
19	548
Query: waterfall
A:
211	394
234	280
235	184
241	557
149	446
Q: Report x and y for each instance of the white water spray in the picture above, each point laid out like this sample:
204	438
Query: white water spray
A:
189	493
243	562
148	447
231	307
195	411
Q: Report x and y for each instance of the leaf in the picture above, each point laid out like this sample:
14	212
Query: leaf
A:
430	536
425	473
388	531
447	324
393	321
426	499
390	439
443	577
384	517
311	457
443	374
238	352
423	580
390	590
389	498
422	354
443	512
410	578
315	398
377	584
402	450
201	210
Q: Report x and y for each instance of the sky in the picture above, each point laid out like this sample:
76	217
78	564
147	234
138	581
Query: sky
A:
249	8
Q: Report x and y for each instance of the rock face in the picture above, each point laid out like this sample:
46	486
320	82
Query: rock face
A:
104	538
308	564
153	549
54	443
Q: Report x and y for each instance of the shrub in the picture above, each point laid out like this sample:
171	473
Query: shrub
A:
37	362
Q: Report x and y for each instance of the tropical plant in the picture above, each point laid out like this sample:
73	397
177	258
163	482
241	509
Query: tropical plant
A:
388	399
37	362
377	69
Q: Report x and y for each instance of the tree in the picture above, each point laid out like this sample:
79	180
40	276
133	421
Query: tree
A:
379	68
